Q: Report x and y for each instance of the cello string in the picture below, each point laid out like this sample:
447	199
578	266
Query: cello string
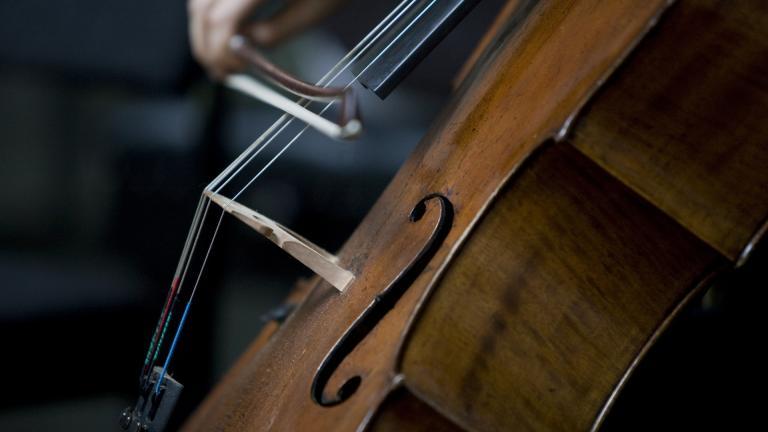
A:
186	309
255	149
188	259
329	104
328	78
266	138
227	171
171	294
325	81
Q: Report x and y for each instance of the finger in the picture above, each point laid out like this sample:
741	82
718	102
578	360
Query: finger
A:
212	24
222	60
297	16
224	22
196	12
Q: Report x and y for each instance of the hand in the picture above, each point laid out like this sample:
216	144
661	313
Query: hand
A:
214	22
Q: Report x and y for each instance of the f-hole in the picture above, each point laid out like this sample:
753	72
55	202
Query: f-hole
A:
381	305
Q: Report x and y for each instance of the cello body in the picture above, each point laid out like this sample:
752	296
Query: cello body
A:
600	165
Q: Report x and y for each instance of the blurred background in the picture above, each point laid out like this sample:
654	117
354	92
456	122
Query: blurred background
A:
108	134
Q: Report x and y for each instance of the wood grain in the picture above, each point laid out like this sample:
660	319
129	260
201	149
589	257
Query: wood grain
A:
684	122
551	299
402	411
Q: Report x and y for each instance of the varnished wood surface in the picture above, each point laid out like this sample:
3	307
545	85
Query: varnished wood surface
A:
402	411
544	311
684	122
686	130
512	9
551	299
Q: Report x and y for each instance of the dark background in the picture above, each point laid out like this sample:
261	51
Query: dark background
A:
108	134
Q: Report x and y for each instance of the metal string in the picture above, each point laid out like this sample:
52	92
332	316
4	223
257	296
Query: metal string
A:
184	315
168	308
326	80
255	148
244	159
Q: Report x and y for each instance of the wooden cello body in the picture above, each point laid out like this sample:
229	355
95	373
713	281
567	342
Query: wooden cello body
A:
601	163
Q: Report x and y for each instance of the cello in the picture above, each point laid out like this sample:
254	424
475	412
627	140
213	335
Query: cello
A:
600	165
